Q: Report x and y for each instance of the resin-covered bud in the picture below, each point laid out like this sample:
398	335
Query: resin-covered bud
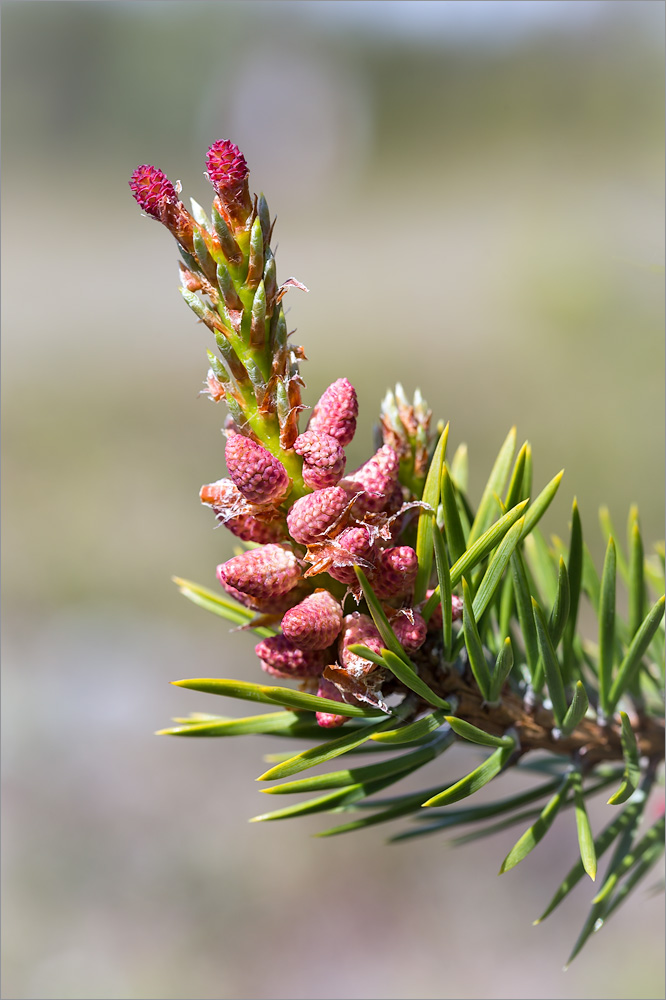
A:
280	657
315	622
328	720
263	576
336	412
312	516
258	474
395	572
375	482
410	629
435	620
323	459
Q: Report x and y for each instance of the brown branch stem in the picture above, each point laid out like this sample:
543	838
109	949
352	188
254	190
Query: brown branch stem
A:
593	743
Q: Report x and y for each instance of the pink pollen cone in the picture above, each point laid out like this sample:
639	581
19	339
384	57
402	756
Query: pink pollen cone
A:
396	572
336	412
259	476
375	481
327	720
313	515
315	622
410	629
356	546
264	574
435	620
280	657
323	459
358	628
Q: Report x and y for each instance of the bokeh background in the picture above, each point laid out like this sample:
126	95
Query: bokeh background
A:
473	193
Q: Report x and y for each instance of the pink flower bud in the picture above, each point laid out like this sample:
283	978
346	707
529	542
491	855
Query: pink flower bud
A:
151	188
326	719
410	629
435	620
315	622
336	412
227	167
375	481
358	628
263	576
396	572
313	515
259	476
323	459
353	545
280	657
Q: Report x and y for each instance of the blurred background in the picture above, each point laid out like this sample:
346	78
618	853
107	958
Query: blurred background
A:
473	193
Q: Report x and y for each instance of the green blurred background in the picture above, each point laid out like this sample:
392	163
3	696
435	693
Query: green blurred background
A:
473	193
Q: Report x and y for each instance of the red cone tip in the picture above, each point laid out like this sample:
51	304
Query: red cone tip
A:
151	187
226	165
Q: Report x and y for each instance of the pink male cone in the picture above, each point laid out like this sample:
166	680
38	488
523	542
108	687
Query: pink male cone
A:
281	658
263	576
259	476
336	412
315	622
312	516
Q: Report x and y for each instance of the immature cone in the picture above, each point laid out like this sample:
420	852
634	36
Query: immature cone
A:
336	412
152	190
326	719
280	657
315	622
228	173
157	196
263	576
396	571
410	629
258	474
375	481
323	459
313	515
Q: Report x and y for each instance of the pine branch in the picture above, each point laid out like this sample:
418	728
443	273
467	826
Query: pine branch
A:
405	614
